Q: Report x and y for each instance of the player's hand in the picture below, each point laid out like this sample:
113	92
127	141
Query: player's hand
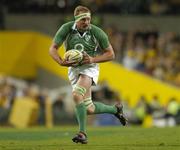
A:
86	59
67	63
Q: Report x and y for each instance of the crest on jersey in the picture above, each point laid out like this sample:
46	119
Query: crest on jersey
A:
87	37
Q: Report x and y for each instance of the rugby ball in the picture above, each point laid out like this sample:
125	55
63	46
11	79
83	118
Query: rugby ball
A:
73	55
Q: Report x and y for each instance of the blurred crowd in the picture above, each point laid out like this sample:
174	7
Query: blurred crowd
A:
154	7
13	90
148	51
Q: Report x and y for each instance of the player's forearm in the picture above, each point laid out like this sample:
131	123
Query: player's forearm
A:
103	58
107	56
54	54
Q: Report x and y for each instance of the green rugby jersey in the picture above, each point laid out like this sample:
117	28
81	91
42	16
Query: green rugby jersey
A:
93	41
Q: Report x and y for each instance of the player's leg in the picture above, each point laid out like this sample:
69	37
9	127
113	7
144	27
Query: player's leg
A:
88	102
99	108
84	82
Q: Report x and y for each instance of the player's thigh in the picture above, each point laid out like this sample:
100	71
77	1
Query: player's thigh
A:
88	93
84	81
83	84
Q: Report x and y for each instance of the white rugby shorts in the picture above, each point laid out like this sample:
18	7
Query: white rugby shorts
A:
91	70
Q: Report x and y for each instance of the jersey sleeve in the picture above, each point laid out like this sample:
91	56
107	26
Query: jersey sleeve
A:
62	33
101	37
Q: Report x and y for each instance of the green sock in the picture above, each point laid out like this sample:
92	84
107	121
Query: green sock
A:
102	108
81	114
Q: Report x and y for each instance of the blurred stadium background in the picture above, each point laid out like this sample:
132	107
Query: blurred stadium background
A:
145	75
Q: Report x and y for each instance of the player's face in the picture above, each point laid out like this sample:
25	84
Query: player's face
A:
83	24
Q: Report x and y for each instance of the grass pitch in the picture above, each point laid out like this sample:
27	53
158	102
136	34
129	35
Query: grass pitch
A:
99	138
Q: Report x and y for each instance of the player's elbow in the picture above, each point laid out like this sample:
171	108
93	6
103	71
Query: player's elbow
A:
111	55
51	51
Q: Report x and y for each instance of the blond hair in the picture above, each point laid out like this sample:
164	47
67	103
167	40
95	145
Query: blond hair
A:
81	9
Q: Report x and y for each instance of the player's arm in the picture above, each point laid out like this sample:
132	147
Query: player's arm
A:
108	54
57	42
53	51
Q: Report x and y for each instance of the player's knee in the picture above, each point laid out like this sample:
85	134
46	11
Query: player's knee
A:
89	105
91	109
78	93
76	97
